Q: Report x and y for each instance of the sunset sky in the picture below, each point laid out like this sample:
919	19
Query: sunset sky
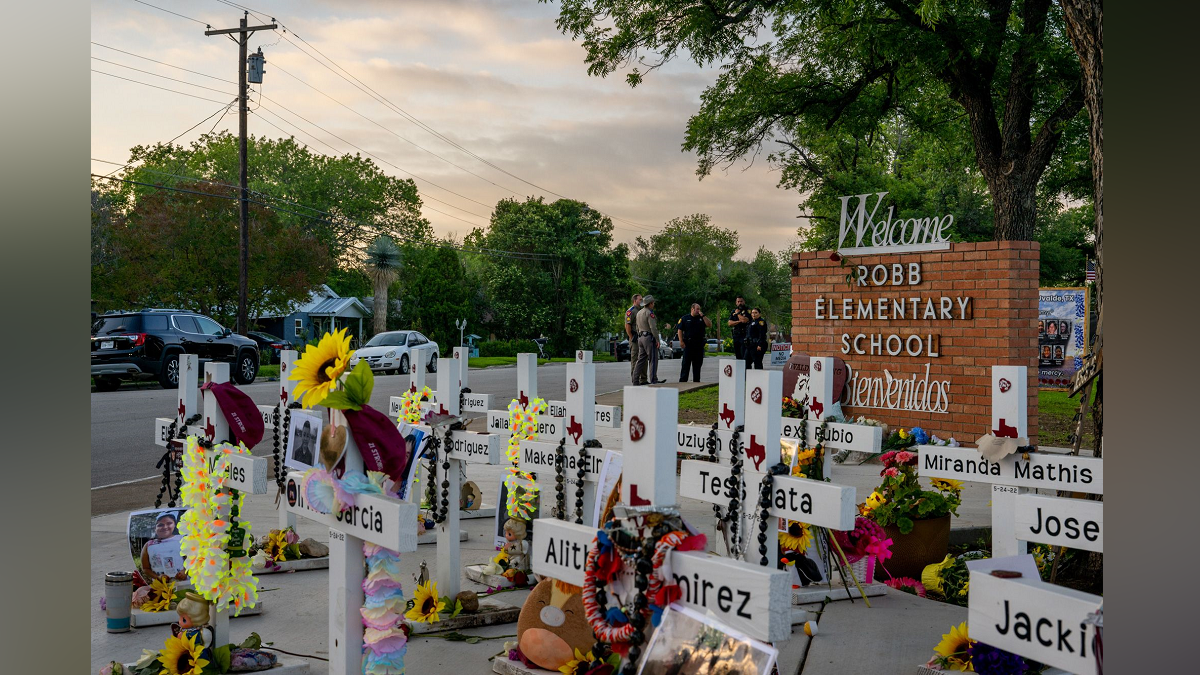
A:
495	77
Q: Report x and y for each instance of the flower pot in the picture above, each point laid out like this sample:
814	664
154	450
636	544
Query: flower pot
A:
864	569
927	543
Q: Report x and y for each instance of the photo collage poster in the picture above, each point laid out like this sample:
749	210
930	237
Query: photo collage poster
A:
1063	323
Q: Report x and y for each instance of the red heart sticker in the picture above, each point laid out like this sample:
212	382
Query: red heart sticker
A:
579	355
817	365
636	428
728	371
756	395
1005	385
574	386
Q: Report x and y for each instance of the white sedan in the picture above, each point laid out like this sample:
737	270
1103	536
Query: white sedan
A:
395	351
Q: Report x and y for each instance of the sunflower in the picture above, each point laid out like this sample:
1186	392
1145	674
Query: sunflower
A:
162	590
318	369
947	485
798	537
181	656
426	604
953	648
577	665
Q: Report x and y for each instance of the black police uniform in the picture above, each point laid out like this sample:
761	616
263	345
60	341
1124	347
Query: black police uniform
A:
693	345
739	332
756	343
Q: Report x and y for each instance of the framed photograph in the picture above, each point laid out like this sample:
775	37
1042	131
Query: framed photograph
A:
155	542
687	641
304	441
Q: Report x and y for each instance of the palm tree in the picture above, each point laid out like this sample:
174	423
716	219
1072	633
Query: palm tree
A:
383	266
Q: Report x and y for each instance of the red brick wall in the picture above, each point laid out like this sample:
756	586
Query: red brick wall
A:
1002	280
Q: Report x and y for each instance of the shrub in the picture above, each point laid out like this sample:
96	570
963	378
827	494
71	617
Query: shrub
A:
507	347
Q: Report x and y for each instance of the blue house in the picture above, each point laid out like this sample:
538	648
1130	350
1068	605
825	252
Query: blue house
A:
325	311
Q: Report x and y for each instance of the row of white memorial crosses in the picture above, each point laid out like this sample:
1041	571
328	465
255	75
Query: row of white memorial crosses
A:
1020	613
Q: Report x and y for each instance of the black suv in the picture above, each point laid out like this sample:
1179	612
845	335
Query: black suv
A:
145	344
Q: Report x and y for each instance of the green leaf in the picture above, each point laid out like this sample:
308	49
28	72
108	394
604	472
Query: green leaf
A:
905	524
457	608
474	639
339	400
292	551
359	384
252	642
222	655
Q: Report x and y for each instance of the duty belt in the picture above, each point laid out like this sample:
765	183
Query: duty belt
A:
645	333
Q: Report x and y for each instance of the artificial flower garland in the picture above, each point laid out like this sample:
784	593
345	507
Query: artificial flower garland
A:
410	404
523	425
222	580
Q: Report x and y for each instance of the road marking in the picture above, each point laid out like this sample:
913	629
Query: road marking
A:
125	482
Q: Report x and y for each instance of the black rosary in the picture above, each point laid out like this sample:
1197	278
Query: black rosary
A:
168	464
736	492
560	469
766	491
439	514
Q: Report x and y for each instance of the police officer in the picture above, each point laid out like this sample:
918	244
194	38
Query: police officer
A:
691	331
631	333
648	339
756	340
739	318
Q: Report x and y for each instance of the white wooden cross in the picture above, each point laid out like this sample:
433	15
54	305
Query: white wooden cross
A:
286	358
465	446
246	473
374	519
578	426
549	428
749	598
187	401
731	403
818	387
1032	618
1017	516
605	415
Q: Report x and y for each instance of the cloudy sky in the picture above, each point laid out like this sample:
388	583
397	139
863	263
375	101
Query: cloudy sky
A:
495	77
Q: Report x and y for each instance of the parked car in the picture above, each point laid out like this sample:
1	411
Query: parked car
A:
269	346
712	345
391	352
147	344
664	350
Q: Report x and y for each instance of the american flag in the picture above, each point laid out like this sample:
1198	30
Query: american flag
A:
1091	271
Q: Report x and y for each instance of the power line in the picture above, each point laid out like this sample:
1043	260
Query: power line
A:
149	72
164	63
145	84
202	23
223	109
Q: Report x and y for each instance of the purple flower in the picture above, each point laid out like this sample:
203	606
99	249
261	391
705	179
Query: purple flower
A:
103	604
987	660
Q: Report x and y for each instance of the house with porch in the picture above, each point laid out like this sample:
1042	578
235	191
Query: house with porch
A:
325	311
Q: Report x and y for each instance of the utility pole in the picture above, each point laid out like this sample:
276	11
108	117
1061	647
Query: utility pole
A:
244	32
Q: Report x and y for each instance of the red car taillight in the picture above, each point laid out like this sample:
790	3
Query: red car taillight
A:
139	339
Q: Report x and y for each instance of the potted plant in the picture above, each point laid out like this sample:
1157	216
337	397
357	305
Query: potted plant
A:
916	519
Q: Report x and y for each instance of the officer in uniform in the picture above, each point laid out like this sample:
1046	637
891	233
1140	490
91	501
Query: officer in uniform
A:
756	340
692	328
631	333
648	339
739	318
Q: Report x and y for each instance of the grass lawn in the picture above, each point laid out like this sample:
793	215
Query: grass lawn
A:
698	405
489	361
268	370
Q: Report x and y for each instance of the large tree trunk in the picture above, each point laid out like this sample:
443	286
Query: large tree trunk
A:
1014	206
379	307
1085	26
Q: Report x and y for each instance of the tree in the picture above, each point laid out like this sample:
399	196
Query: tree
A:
434	291
345	202
823	64
544	272
174	250
679	265
383	266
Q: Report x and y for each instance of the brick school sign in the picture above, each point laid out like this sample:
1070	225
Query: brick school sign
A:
921	330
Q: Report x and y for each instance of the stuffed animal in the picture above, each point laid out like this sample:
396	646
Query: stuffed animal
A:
552	625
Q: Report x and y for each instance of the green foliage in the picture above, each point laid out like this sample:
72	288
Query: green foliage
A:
222	658
434	291
941	104
507	348
570	293
349	282
175	249
678	266
904	500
